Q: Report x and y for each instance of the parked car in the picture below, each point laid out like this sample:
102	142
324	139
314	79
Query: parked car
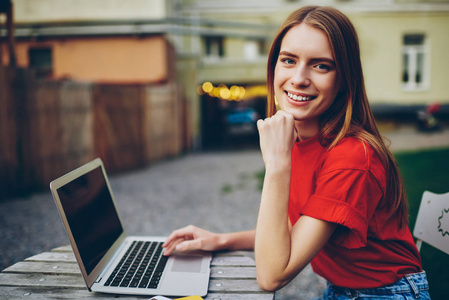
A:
242	121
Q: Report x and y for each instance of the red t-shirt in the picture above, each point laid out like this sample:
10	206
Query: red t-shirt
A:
345	185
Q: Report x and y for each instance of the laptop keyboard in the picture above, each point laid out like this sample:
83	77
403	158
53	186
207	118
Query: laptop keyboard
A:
140	267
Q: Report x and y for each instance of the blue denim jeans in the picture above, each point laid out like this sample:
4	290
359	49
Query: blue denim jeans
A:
411	286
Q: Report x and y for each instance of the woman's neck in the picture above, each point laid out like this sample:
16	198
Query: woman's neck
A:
306	130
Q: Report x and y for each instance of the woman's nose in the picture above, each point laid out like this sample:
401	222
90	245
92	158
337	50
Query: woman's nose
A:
300	77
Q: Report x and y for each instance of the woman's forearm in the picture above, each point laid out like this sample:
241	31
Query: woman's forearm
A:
243	240
273	242
282	252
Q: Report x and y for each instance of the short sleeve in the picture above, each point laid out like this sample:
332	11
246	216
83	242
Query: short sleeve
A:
349	198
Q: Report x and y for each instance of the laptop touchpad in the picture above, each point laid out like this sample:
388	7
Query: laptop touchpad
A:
185	263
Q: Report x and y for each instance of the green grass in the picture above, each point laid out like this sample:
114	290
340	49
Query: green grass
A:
427	170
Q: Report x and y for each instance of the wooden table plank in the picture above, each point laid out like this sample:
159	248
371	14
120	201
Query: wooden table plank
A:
55	268
240	261
56	275
233	272
246	296
233	285
44	268
42	280
65	248
39	293
54	256
74	280
36	293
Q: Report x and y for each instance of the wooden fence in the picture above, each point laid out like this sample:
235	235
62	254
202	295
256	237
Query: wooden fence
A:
60	123
48	128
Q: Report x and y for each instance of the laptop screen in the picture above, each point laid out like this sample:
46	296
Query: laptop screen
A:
91	215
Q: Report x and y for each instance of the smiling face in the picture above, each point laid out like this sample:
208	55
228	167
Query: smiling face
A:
305	77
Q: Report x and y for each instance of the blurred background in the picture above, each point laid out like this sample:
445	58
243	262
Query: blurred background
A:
138	82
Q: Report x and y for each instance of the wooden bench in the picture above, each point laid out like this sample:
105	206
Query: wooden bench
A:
55	275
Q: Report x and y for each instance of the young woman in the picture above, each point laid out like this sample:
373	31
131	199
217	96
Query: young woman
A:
332	193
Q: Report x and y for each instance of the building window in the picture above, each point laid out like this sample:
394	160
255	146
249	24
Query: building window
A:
415	75
40	60
254	49
214	46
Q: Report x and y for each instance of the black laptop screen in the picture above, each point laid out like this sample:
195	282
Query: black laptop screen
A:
91	215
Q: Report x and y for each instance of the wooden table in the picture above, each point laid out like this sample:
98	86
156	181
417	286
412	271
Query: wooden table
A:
55	275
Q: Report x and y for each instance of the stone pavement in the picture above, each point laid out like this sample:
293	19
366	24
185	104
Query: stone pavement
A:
406	138
214	190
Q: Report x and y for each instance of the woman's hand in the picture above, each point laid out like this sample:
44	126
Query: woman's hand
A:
192	238
277	137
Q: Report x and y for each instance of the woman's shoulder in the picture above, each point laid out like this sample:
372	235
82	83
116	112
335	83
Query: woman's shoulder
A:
352	153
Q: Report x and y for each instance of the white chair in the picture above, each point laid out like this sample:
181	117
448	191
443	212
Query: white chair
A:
432	222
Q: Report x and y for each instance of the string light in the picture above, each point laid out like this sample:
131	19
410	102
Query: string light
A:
233	93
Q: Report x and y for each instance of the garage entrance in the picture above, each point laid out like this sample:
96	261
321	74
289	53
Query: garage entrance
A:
230	124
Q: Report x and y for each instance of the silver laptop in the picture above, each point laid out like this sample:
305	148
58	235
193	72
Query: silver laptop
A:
110	261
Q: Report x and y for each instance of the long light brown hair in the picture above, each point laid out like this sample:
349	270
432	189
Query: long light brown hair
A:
350	114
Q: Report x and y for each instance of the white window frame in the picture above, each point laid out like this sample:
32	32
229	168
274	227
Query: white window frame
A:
413	51
216	44
253	50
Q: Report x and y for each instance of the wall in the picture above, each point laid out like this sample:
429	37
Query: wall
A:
104	59
82	10
381	37
48	128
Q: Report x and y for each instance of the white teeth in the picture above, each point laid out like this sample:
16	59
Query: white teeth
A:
298	98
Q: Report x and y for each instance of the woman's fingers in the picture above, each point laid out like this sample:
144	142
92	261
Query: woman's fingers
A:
177	237
169	248
186	232
190	238
277	136
281	122
195	244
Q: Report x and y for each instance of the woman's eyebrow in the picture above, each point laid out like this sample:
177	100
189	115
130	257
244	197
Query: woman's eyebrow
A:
323	59
313	60
286	53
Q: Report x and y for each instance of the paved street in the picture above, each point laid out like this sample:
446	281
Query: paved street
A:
217	191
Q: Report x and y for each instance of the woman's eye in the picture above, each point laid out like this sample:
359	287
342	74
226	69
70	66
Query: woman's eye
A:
323	67
288	61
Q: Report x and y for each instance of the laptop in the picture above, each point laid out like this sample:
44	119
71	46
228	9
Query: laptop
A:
109	260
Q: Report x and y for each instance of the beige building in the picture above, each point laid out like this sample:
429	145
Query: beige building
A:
93	41
223	45
404	53
403	44
403	48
